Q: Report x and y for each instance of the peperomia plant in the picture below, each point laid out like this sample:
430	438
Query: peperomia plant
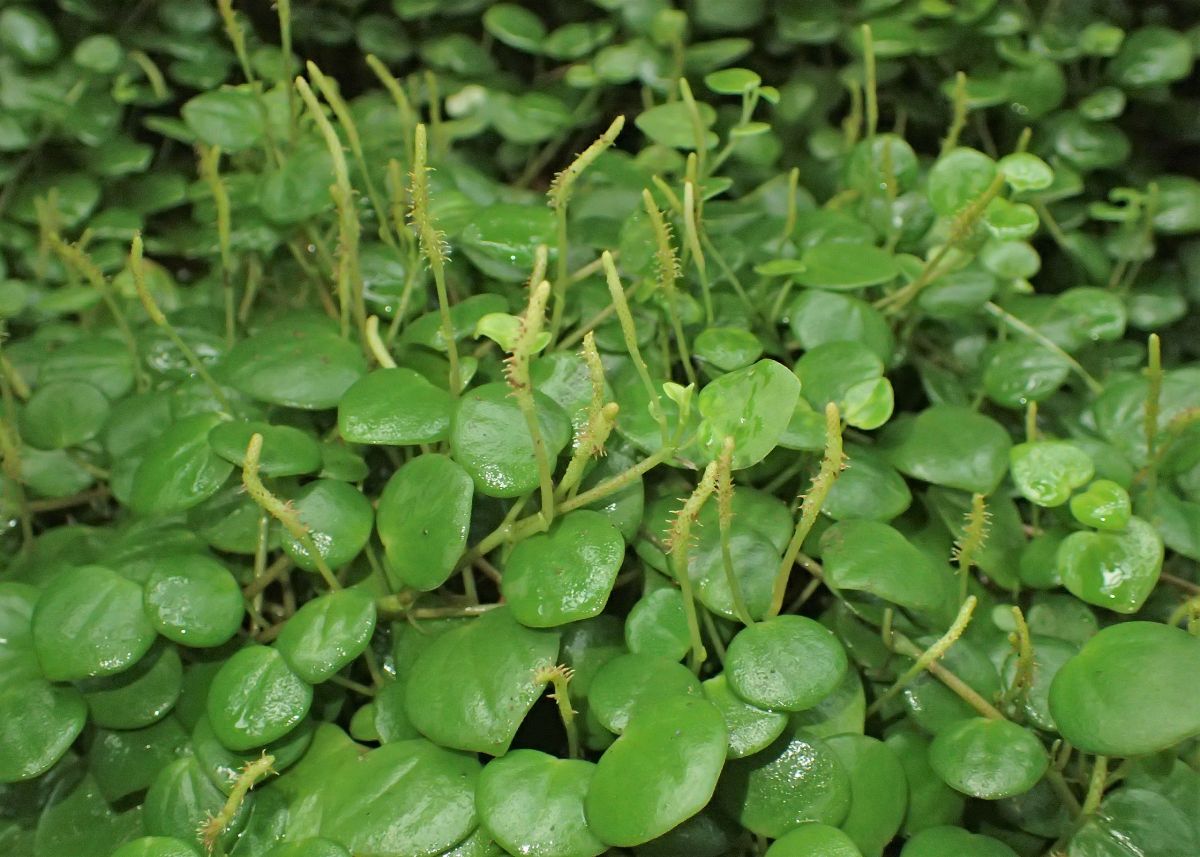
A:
808	467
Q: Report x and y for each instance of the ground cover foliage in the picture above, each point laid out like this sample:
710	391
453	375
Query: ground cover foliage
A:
564	429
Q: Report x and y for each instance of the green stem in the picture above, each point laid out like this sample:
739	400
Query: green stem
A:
929	656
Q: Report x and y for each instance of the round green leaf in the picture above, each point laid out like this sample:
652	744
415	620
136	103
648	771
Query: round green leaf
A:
230	118
828	371
659	773
872	557
140	695
223	766
28	35
1047	471
369	806
501	240
732	81
989	759
156	846
286	451
1152	56
796	779
1026	172
327	633
950	445
868	487
423	517
750	728
671	125
1117	569
958	178
931	802
299	363
394	407
814	840
490	439
1129	691
532	803
840	266
629	683
657	625
516	26
38	723
312	847
787	663
179	469
817	316
727	348
1017	373
255	698
565	574
751	405
18	658
878	791
472	686
125	761
63	414
339	519
954	842
194	601
1104	505
89	622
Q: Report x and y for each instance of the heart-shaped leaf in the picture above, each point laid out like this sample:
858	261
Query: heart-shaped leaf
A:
394	407
628	683
659	773
872	557
327	633
1104	505
38	723
339	519
565	574
255	699
138	696
878	791
532	803
750	728
786	663
179	469
193	600
472	686
491	440
1100	698
988	758
1047	471
1116	569
369	805
89	622
751	405
950	445
299	363
423	517
286	451
797	779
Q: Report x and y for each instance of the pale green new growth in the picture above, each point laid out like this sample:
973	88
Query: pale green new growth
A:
137	270
517	373
831	467
432	247
970	542
668	274
679	541
725	522
209	158
629	333
280	510
928	657
560	677
252	774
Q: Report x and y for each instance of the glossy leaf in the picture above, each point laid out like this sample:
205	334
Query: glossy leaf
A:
471	687
787	663
394	407
255	698
423	516
751	405
565	574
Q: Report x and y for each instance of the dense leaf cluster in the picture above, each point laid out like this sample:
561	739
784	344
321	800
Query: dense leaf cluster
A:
443	427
